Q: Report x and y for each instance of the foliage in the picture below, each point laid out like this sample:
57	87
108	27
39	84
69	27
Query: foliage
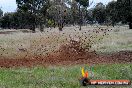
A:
99	13
124	8
74	12
51	23
35	8
84	3
112	14
58	12
1	12
34	13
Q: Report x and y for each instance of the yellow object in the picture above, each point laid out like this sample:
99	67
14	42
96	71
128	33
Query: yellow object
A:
83	73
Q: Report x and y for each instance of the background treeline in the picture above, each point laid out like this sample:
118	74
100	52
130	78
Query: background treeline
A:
32	14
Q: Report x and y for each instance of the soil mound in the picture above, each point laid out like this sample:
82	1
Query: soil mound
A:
69	54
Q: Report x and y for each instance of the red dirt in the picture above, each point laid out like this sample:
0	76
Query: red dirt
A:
66	57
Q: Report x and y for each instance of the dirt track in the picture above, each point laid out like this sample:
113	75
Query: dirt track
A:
58	58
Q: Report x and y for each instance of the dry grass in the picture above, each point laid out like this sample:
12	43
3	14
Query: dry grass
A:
19	44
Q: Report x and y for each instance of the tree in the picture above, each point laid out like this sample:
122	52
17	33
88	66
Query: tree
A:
41	17
33	8
89	16
23	20
124	8
111	12
57	12
16	20
99	13
9	20
1	13
6	20
74	12
84	3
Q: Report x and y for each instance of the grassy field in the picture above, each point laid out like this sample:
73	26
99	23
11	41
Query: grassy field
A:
62	77
19	44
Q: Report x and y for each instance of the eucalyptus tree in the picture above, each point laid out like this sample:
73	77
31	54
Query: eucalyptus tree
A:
35	8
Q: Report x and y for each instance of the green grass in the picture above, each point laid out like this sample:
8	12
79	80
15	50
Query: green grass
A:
61	77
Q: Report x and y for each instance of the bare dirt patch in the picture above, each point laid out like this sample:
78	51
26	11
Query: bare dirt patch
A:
42	49
68	54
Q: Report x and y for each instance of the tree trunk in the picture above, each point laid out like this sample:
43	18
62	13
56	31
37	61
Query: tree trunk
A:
130	25
113	24
80	17
41	28
32	28
60	26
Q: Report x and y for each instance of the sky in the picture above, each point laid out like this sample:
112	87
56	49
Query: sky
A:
10	5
